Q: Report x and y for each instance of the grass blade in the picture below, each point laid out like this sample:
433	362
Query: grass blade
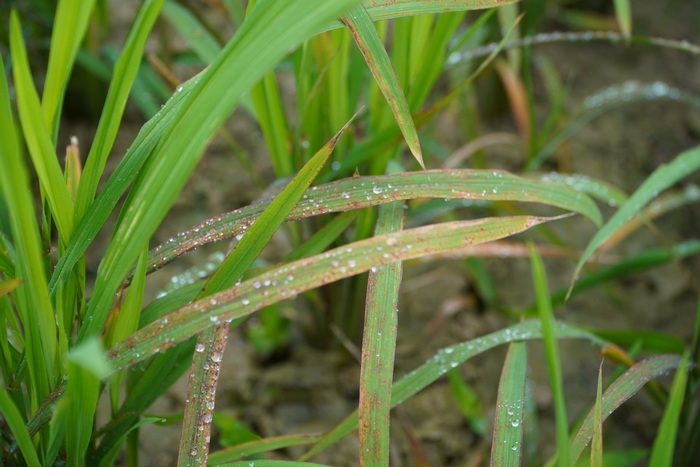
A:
86	366
665	441
69	27
544	306
308	273
14	421
201	393
38	136
388	9
622	389
623	11
451	357
508	423
33	305
123	77
378	347
367	39
116	185
211	101
260	445
597	441
361	192
664	176
194	445
203	43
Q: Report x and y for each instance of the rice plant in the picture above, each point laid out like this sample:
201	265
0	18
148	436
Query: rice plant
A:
363	190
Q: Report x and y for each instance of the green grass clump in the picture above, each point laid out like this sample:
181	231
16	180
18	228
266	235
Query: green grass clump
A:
370	79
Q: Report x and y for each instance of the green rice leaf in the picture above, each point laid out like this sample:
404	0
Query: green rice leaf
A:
85	367
623	11
379	347
116	185
69	27
203	43
120	85
31	297
506	447
665	441
38	136
308	273
211	101
260	445
194	445
664	176
452	357
367	39
361	192
597	441
14	421
389	9
556	382
622	389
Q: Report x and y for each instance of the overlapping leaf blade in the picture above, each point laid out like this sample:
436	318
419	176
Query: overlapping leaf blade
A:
360	192
308	273
211	101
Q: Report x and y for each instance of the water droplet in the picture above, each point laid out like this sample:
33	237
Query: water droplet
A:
515	423
377	189
245	301
216	357
199	347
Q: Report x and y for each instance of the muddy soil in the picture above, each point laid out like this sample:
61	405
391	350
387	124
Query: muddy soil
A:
306	389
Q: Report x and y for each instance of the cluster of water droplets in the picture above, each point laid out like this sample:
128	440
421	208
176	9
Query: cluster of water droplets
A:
192	275
632	90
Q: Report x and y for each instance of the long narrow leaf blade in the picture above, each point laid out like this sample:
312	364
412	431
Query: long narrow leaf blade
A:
506	447
123	77
15	422
451	357
367	38
622	389
37	135
361	192
667	174
388	9
69	27
665	442
556	382
194	446
308	273
210	103
379	347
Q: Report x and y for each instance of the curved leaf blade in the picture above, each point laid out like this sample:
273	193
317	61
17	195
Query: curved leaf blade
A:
451	357
619	391
508	423
308	273
370	44
664	176
362	192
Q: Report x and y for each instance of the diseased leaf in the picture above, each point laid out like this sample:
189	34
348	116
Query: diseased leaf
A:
620	390
308	273
367	39
361	192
